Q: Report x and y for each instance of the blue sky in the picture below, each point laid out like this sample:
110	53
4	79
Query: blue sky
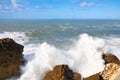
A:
59	9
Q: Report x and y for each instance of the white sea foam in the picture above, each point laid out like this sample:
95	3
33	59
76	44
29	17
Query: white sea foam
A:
113	44
84	57
19	37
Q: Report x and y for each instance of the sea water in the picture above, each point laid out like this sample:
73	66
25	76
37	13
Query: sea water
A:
77	43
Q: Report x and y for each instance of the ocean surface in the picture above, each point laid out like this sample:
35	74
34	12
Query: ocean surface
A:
77	43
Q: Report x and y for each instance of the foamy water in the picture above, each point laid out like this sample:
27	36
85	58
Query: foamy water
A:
77	43
83	56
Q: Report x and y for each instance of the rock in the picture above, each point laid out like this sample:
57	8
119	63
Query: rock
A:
96	76
111	72
110	58
11	57
62	72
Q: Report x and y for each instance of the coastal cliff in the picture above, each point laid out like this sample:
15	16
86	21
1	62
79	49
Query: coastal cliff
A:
11	57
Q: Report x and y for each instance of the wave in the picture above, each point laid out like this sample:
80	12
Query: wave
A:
83	55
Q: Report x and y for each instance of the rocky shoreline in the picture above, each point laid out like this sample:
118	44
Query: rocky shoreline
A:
11	58
110	72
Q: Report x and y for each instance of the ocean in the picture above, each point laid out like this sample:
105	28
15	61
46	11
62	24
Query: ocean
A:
77	43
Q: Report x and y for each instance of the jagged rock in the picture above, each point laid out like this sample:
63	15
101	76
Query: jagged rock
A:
110	58
10	57
96	76
111	72
62	72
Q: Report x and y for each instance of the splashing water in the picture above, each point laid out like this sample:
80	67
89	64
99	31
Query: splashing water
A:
84	57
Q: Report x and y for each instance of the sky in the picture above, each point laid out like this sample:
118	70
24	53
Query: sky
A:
59	9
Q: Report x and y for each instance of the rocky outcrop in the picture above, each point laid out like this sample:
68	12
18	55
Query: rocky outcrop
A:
110	58
111	72
62	72
10	57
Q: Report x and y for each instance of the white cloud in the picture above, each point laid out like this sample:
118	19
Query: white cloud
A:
83	4
90	4
14	3
10	6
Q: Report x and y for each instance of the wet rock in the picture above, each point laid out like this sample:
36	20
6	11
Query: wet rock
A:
110	58
62	72
11	57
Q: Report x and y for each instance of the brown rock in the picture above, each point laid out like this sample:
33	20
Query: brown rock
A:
111	72
110	58
62	72
96	76
10	57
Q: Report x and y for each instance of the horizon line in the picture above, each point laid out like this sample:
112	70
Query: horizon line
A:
66	19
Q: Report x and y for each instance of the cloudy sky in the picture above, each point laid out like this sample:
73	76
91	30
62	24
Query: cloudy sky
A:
59	9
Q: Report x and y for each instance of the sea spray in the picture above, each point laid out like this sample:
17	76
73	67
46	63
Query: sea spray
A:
84	57
45	59
87	55
19	37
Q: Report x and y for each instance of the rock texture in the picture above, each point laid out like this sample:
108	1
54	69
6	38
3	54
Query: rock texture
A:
110	58
96	76
111	72
10	57
62	72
